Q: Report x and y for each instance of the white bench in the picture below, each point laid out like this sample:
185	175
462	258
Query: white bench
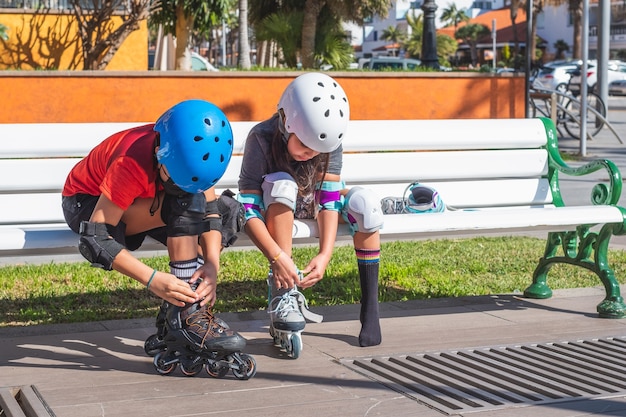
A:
496	173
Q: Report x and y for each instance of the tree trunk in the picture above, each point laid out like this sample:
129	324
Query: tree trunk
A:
244	41
312	9
576	8
184	27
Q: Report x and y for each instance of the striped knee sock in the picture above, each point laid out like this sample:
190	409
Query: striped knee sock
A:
368	261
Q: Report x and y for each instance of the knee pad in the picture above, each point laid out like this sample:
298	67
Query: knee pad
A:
97	246
184	215
362	211
280	187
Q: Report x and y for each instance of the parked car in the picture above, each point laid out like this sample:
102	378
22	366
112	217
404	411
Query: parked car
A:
555	75
616	71
617	88
200	63
380	63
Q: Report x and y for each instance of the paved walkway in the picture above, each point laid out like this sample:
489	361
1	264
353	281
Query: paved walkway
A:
100	369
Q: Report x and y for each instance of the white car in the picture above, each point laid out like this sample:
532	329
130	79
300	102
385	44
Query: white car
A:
616	71
200	63
617	88
555	75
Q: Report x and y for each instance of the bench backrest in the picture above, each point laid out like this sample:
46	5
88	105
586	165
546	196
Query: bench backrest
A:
472	163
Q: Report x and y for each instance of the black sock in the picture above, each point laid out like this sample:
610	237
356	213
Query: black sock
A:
368	261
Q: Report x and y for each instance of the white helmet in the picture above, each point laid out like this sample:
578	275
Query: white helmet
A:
316	109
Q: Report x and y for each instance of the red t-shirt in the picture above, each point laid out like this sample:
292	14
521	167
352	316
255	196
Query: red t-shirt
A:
122	168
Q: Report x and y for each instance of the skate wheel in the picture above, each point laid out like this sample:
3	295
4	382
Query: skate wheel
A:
216	370
246	368
191	368
294	345
153	345
162	366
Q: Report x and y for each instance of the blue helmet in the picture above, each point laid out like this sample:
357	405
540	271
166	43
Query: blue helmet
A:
196	144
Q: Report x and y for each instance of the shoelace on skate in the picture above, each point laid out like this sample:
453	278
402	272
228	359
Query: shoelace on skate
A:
285	303
294	300
212	327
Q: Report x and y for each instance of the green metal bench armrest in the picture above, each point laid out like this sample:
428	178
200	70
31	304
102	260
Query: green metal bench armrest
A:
601	193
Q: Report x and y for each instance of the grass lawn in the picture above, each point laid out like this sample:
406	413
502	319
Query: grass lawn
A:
76	292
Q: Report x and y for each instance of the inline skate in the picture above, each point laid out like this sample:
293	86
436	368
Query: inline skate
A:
194	338
288	310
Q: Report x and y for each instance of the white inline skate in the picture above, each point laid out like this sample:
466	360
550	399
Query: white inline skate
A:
288	311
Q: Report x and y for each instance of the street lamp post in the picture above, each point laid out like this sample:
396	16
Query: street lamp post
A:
429	37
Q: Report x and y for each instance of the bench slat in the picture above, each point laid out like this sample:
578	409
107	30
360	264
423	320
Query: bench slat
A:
26	140
46	175
46	207
33	140
432	224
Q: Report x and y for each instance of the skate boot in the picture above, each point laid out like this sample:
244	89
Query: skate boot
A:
154	343
195	339
288	312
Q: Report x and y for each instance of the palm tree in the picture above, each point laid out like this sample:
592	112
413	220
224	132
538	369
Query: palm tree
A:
244	41
451	15
470	34
394	35
315	14
446	46
561	47
347	10
182	17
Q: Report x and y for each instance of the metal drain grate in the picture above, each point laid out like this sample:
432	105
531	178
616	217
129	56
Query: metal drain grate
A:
24	401
493	378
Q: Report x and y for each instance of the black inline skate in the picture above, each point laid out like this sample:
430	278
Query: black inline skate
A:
194	338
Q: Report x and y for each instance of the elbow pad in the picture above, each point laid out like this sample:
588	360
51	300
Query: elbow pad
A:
97	246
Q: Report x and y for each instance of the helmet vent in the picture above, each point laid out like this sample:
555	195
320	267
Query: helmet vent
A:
322	136
223	123
327	113
332	96
205	157
197	138
222	158
207	121
316	99
194	179
341	113
321	84
217	139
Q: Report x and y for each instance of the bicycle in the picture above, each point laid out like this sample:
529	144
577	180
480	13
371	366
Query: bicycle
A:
568	109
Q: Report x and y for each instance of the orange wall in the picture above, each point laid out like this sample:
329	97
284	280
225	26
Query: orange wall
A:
49	41
141	96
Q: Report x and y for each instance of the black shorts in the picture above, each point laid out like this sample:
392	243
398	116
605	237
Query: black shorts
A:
78	208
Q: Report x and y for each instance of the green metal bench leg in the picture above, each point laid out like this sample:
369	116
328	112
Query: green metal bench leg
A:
578	248
612	306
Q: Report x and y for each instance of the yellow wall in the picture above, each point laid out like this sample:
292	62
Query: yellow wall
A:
51	42
142	96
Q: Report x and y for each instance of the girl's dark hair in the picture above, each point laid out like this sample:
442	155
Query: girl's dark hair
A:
306	173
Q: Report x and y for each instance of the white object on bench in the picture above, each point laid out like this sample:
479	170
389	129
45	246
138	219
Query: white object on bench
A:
495	173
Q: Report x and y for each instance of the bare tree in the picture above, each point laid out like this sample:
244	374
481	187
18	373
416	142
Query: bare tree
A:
100	34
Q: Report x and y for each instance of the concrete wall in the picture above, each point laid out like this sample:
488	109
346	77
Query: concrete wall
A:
142	96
